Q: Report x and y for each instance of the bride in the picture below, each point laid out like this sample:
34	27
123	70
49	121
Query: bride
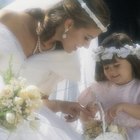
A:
34	58
52	128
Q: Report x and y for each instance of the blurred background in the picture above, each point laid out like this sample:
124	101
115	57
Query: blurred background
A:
3	3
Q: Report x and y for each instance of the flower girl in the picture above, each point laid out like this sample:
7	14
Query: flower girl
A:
117	90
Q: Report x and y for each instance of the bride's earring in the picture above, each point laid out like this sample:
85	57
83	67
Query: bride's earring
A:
64	36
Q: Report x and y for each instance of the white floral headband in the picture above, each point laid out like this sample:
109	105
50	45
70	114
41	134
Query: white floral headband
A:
92	16
102	53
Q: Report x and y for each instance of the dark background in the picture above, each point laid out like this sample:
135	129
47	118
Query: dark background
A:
125	17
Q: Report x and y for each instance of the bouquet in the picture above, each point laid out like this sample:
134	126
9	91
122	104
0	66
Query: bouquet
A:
18	101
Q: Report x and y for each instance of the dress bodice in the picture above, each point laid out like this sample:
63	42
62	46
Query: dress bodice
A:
44	70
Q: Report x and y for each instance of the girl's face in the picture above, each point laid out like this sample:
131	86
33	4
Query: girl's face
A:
119	72
77	38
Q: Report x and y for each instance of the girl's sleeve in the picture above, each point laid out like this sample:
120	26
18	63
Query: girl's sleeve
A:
126	120
87	95
90	94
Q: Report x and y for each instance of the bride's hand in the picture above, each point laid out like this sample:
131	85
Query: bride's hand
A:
72	109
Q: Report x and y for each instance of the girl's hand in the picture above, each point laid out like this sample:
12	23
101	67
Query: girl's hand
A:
113	111
93	108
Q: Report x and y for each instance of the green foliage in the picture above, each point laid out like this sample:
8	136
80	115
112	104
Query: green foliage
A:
8	74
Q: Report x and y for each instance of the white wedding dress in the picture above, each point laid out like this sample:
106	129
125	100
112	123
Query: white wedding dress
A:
43	70
49	127
43	75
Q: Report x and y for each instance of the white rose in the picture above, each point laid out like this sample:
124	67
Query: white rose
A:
18	100
10	117
33	92
113	128
8	91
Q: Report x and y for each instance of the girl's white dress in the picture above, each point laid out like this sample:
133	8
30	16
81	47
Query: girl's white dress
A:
44	71
110	94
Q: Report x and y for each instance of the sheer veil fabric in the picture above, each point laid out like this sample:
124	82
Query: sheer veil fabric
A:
20	5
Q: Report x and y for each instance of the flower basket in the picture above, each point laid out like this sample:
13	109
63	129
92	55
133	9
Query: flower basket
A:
99	130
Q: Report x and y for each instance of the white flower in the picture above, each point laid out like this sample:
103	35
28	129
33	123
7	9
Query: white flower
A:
107	56
123	52
10	117
17	109
7	103
18	100
113	128
97	52
31	92
107	53
8	91
29	103
137	51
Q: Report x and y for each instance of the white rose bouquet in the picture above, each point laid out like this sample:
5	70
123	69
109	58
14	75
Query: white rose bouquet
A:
18	101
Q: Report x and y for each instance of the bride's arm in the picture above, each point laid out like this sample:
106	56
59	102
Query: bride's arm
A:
51	104
72	109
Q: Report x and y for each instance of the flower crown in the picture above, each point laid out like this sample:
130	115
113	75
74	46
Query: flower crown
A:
92	16
102	53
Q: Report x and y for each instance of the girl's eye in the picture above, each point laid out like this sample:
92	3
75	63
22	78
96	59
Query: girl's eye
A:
106	68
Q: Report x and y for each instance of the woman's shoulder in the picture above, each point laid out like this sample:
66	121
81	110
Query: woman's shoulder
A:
6	15
10	19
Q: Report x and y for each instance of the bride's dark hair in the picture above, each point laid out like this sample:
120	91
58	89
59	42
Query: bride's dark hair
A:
52	18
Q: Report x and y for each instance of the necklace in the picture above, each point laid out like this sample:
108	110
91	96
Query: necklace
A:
38	46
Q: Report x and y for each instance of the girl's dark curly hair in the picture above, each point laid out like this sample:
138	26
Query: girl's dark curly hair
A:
117	40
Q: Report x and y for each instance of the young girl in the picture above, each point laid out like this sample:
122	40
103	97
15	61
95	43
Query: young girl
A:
118	83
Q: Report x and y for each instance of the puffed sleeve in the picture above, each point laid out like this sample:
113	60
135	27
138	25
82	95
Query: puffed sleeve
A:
85	97
10	51
89	94
126	120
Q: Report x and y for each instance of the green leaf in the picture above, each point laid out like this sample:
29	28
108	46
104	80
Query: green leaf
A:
8	74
